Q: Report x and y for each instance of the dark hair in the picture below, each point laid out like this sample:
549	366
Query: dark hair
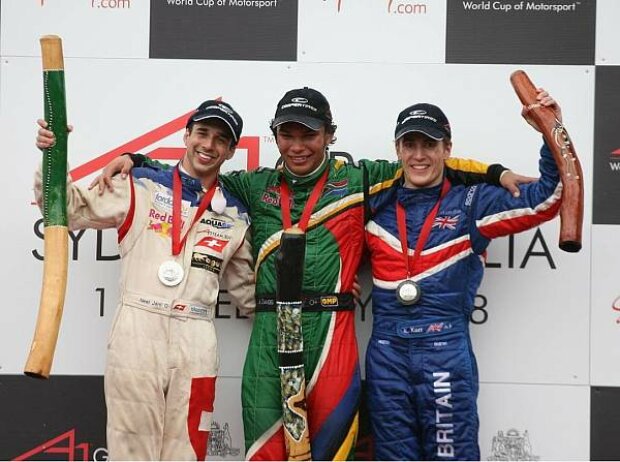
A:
190	127
330	129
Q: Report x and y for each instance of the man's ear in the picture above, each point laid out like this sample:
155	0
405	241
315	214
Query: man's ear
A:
447	144
185	136
397	147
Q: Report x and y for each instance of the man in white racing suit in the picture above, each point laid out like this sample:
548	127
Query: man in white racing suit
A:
180	234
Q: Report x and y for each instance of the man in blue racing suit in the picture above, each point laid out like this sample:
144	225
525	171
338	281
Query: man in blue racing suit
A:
426	251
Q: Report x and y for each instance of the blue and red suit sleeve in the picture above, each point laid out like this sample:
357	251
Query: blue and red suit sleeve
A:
496	212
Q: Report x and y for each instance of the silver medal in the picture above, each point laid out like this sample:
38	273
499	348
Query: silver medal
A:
170	273
408	292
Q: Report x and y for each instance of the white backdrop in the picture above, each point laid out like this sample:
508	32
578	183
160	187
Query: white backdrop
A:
536	352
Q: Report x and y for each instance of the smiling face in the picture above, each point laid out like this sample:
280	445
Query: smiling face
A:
302	149
208	144
422	159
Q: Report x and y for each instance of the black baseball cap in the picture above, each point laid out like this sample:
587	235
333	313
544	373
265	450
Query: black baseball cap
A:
423	118
305	106
212	109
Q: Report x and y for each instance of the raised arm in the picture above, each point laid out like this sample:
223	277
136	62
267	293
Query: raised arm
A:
85	208
498	214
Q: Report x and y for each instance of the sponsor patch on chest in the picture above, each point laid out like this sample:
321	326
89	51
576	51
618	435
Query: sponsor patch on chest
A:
470	195
207	262
219	223
336	188
271	196
161	223
446	221
213	243
162	201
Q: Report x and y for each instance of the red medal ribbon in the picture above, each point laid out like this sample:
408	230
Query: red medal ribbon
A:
285	202
401	219
177	242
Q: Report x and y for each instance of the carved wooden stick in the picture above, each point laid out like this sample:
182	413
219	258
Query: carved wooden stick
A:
41	354
563	150
290	271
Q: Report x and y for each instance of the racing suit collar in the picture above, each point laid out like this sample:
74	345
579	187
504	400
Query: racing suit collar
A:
189	182
411	196
309	179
